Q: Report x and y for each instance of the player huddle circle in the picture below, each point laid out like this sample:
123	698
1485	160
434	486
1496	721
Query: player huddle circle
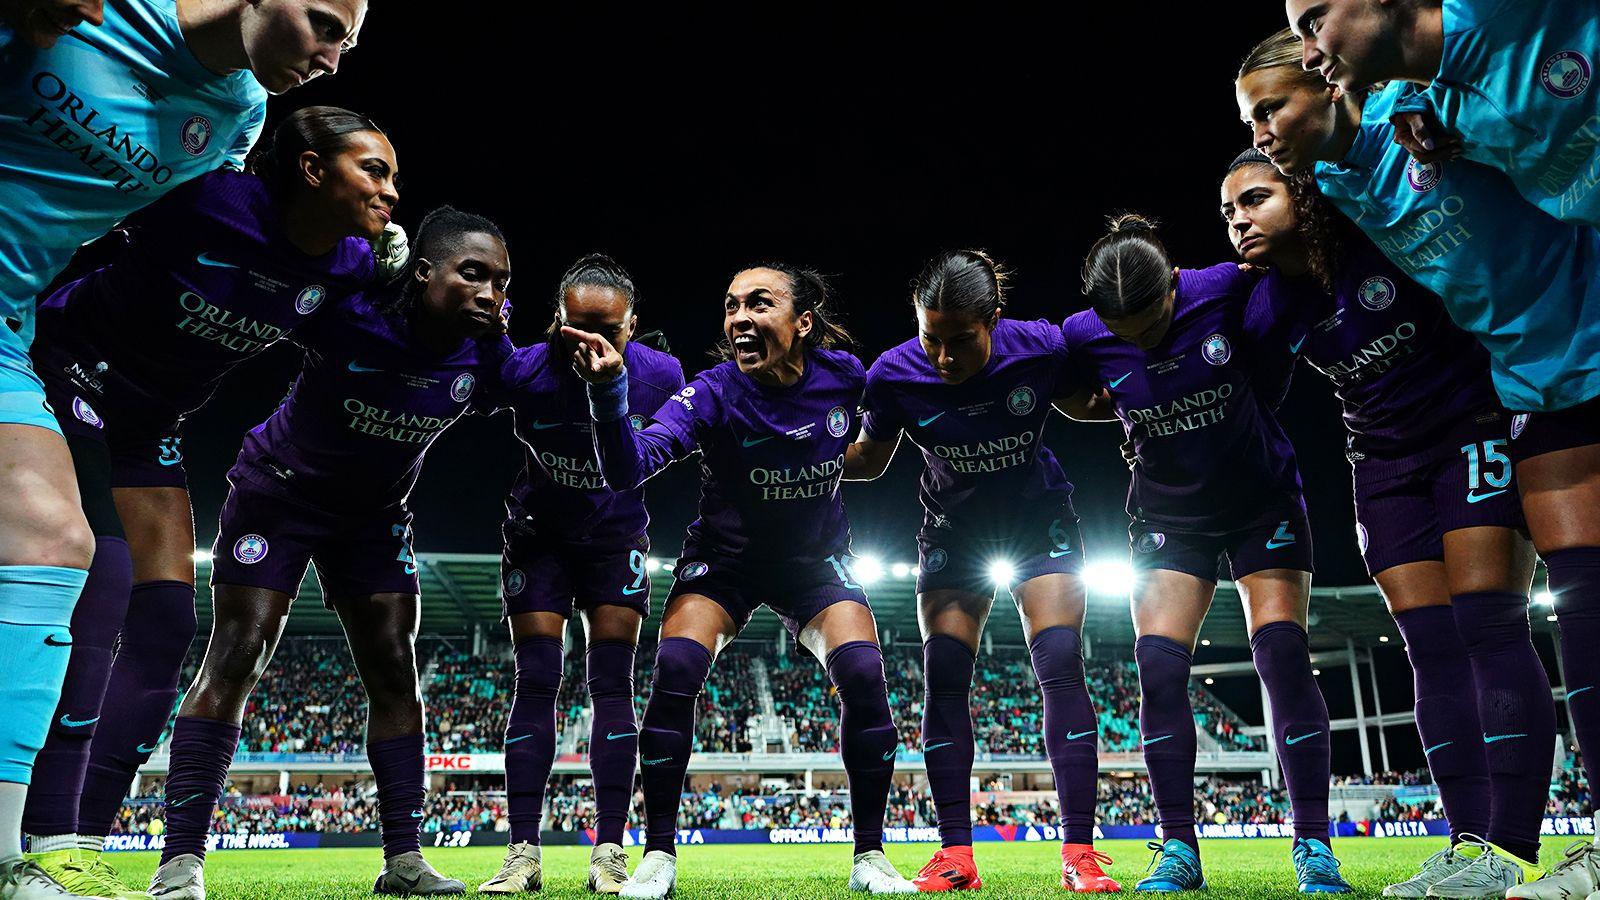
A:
1415	218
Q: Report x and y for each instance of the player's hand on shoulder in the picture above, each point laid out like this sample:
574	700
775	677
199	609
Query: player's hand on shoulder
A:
1424	138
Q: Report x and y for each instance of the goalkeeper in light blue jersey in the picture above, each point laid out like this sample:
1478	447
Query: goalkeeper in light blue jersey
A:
1512	82
104	106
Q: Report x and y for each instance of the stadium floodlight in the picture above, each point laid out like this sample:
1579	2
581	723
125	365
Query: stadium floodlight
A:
1383	639
1316	671
1002	572
1205	642
651	564
1544	598
868	570
1210	680
1550	618
1108	576
900	570
201	556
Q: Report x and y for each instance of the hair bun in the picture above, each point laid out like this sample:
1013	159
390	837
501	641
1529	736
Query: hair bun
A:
1132	223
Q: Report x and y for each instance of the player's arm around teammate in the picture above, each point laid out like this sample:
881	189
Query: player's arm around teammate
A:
573	543
773	423
973	391
324	480
1525	285
1214	475
218	270
1439	523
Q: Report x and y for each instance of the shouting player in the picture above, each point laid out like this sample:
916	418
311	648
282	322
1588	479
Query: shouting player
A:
773	424
973	390
325	481
573	543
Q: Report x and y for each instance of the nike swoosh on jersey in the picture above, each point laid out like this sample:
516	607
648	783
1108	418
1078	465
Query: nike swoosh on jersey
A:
354	367
205	259
1295	347
924	423
751	442
540	426
1291	741
1475	497
1120	379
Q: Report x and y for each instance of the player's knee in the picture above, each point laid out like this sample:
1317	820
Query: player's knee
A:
856	669
59	536
682	666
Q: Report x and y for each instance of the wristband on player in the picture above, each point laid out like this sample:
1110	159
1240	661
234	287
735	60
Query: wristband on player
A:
608	401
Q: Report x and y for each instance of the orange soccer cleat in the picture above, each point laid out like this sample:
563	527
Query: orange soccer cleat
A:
1081	872
951	869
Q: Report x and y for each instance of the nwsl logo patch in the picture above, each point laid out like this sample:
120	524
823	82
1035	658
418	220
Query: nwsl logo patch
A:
86	413
1021	401
936	560
1376	293
1215	349
461	388
515	582
838	421
692	571
1423	177
195	135
309	299
636	422
1566	74
1519	422
250	549
1150	542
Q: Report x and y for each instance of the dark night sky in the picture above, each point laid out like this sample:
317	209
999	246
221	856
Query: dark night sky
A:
688	142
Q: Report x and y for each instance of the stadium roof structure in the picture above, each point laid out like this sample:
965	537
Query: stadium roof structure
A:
460	596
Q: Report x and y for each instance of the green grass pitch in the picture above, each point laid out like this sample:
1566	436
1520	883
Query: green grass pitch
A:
1246	869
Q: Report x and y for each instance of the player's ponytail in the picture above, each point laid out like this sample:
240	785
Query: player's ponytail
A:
323	130
965	282
1127	270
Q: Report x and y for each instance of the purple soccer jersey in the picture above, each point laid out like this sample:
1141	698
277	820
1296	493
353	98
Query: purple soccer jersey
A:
772	458
561	487
982	441
1404	372
209	282
1212	457
352	432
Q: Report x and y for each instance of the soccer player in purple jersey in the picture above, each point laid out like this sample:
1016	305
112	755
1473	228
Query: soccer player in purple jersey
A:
1214	475
1439	522
324	480
218	270
573	543
772	423
973	391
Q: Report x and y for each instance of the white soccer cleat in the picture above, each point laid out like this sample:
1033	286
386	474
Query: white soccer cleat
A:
1576	875
608	868
181	878
872	872
522	871
1435	869
655	879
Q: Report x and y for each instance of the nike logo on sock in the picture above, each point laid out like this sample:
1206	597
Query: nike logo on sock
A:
1291	741
655	762
924	423
416	814
69	722
1475	497
520	737
618	737
1074	735
888	756
1120	380
1295	347
1155	740
54	640
1492	738
932	747
1436	747
186	800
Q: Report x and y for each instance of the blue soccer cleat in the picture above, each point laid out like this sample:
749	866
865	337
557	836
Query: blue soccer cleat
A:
1317	869
1176	868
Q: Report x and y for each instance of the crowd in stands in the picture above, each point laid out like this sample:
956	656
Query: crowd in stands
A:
351	808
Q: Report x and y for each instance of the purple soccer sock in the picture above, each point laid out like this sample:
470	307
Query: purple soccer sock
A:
667	736
156	635
201	752
1282	652
58	771
1071	731
531	734
613	736
947	744
1513	698
1166	723
1574	576
1447	718
398	769
867	736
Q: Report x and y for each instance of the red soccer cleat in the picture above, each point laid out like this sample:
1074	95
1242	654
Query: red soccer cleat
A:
951	869
1081	872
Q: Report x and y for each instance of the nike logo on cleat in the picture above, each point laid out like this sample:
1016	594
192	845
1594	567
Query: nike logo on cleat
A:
924	423
1074	735
1291	741
1155	740
1120	380
69	722
932	747
205	259
618	737
520	737
1475	497
1492	738
751	442
1437	747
